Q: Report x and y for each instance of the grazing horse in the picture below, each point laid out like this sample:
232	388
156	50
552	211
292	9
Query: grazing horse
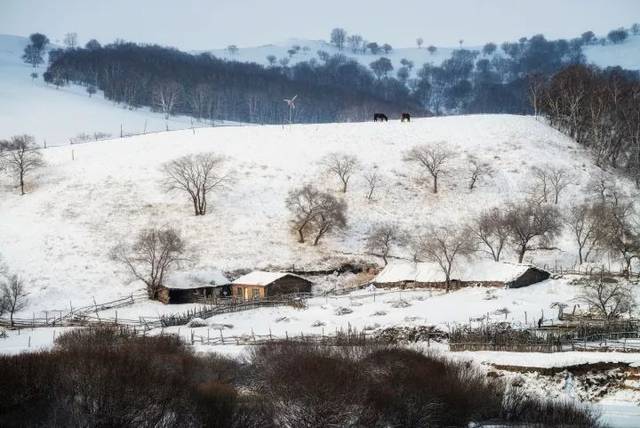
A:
405	116
380	117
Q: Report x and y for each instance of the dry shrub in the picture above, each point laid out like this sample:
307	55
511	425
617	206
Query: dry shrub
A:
107	377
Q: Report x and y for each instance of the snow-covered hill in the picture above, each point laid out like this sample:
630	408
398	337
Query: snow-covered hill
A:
59	235
626	54
309	50
53	115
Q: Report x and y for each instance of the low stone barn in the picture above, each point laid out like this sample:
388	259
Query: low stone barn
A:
190	287
465	273
261	284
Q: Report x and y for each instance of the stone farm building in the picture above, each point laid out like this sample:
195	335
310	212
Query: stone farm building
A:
261	284
465	273
190	287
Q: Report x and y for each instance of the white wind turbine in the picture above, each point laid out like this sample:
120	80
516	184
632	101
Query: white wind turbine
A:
292	106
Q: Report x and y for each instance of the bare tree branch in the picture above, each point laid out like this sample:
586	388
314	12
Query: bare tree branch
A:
342	165
433	158
196	175
152	255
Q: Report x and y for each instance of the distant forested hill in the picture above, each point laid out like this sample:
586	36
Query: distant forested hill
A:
206	87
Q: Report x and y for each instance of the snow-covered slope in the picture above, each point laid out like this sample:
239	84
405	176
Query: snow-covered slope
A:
626	54
59	235
309	50
53	115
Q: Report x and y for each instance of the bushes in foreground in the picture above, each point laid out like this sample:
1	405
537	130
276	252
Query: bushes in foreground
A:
109	377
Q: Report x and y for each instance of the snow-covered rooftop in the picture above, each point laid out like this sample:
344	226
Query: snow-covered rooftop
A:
196	279
260	277
463	270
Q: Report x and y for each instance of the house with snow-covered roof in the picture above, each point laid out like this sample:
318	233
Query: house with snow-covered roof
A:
483	272
192	286
260	284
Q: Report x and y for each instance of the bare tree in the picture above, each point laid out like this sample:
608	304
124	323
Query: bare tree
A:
559	179
541	185
338	37
609	298
433	158
197	175
304	203
443	245
154	253
529	222
374	179
621	234
492	231
166	95
604	188
587	223
314	212
477	170
20	157
71	40
342	165
332	215
382	238
355	42
14	296
198	99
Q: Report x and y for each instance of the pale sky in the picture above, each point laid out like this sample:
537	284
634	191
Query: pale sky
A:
208	24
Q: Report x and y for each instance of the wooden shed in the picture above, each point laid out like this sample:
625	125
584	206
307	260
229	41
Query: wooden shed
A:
191	287
261	284
465	273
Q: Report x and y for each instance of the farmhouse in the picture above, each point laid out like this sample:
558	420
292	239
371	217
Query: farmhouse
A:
477	272
190	287
260	284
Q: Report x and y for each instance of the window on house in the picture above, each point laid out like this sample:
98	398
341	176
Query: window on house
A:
255	293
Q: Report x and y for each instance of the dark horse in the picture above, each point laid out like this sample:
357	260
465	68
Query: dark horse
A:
405	116
380	117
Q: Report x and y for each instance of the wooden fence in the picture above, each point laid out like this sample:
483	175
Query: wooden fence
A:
622	335
90	315
228	305
71	316
349	337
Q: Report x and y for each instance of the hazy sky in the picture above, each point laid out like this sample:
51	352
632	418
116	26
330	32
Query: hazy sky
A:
205	24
